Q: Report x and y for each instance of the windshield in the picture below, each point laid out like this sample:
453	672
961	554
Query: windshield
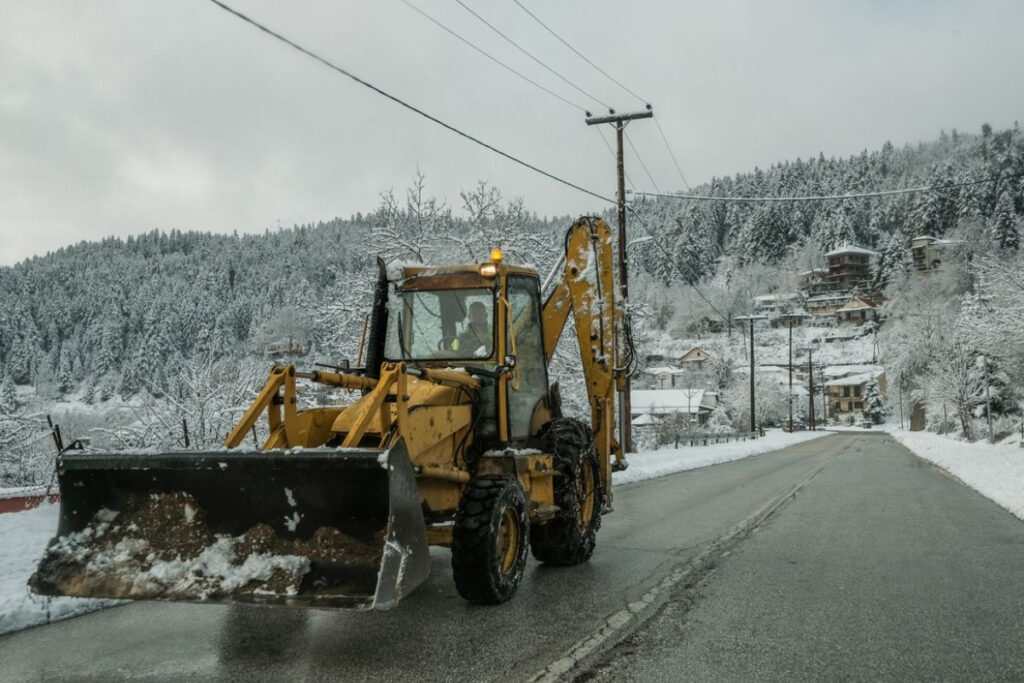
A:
447	323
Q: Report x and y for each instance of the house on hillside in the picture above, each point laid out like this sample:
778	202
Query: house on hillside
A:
694	358
927	253
776	304
661	404
814	281
849	267
282	348
664	376
825	305
677	376
846	391
857	311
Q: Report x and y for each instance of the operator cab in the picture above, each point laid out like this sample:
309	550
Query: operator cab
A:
485	316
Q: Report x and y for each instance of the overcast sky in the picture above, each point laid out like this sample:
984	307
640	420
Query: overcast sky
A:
120	116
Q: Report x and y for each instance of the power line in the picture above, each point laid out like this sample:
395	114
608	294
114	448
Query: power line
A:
675	264
640	159
673	155
577	52
490	56
530	55
613	80
828	197
403	103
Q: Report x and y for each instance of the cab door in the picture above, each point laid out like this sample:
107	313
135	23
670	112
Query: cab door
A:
528	388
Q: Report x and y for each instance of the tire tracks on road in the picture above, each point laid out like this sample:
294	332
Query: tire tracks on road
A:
586	652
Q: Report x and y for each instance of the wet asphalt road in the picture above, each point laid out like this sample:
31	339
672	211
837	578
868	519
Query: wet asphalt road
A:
657	526
882	568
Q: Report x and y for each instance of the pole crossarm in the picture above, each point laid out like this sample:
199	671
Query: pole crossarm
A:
620	118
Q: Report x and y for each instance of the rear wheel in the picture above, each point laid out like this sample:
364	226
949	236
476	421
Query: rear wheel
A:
571	536
489	540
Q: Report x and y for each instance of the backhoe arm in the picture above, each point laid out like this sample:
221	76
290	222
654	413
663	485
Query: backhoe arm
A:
587	290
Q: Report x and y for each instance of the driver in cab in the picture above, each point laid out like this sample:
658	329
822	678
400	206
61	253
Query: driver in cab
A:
477	333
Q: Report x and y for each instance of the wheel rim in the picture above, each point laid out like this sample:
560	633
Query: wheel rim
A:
508	540
586	490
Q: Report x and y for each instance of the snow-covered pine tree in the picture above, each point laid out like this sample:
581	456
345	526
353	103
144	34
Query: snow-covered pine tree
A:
1005	231
874	403
719	421
89	392
8	396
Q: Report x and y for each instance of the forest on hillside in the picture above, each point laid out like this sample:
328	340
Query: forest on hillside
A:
171	315
982	177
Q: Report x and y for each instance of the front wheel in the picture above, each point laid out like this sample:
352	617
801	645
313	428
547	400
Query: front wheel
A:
489	540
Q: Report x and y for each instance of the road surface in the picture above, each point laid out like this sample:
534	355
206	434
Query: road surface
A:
845	555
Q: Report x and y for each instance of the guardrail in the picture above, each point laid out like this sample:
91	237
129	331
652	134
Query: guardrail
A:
708	438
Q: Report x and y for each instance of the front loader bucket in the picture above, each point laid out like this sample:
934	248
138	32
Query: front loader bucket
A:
310	528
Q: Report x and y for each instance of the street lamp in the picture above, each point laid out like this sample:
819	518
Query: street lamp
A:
751	318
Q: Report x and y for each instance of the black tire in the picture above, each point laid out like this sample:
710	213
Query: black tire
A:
489	540
571	536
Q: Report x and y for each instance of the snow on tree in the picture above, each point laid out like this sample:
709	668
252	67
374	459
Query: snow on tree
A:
89	392
289	325
771	401
413	231
8	395
874	402
1005	226
719	422
951	379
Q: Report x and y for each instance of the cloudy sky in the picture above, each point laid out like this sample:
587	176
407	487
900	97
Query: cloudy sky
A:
120	116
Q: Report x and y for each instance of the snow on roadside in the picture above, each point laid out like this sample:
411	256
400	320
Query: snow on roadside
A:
23	538
993	470
667	460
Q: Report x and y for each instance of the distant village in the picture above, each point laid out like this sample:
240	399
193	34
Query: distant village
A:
839	299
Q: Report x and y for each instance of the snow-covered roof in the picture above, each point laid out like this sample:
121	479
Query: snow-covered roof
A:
695	351
781	296
850	249
644	420
857	304
858	369
664	370
823	298
934	240
664	401
852	380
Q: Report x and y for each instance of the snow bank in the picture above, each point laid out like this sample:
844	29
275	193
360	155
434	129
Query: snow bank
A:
994	471
24	536
652	464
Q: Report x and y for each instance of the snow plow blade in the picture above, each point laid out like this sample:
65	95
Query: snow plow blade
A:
307	528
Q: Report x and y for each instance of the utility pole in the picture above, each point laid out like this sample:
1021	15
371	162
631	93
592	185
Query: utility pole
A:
790	375
824	398
751	318
622	373
810	379
790	318
752	427
988	402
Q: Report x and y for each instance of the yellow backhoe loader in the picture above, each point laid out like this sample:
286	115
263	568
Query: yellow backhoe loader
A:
456	440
